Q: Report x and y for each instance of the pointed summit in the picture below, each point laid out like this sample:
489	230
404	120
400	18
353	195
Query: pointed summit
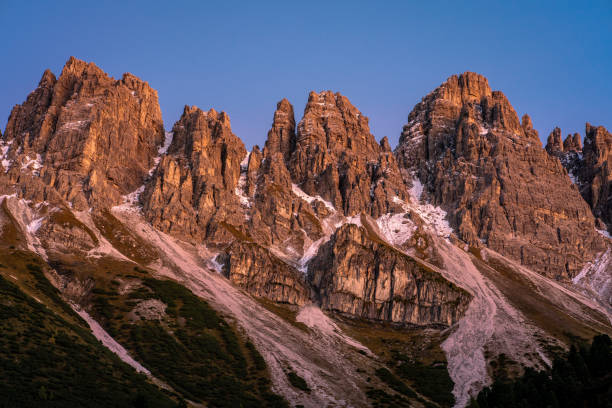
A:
95	138
474	157
281	137
572	143
554	144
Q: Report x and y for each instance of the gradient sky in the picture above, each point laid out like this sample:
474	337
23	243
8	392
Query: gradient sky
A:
553	60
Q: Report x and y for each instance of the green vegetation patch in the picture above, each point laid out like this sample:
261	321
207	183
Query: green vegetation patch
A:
45	361
297	381
582	378
192	348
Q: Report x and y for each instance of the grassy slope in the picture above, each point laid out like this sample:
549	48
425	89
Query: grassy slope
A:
526	298
190	347
193	349
47	356
414	357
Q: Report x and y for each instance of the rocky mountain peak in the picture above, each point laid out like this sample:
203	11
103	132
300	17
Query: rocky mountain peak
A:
528	129
281	137
467	147
596	172
66	141
465	87
196	130
48	79
337	157
572	143
385	145
554	143
193	187
597	142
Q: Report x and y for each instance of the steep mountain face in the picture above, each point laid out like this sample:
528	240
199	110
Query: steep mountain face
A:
83	137
192	188
255	269
588	168
597	172
267	212
337	158
360	275
475	158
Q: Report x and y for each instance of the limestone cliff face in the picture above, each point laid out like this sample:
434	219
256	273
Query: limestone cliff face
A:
337	158
475	158
589	168
328	164
192	190
208	189
83	137
597	172
253	268
358	275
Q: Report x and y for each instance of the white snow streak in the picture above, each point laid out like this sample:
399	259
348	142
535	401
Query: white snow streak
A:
163	149
35	164
4	149
309	199
240	188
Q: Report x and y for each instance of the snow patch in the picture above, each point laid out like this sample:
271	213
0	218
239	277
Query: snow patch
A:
35	225
309	199
131	201
4	149
74	125
167	142
35	164
416	190
163	149
434	217
240	189
395	228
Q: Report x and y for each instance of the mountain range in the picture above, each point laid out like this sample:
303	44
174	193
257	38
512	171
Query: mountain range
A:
326	268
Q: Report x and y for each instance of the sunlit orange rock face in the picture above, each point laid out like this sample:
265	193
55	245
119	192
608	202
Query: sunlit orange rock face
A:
501	189
89	138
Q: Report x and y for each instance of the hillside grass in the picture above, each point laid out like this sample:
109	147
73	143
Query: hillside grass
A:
415	363
48	361
191	347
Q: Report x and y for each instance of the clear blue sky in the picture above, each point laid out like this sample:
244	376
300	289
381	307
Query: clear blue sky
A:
552	59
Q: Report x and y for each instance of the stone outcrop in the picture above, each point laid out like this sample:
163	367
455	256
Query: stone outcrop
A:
572	143
207	187
357	274
252	267
596	172
261	206
488	170
554	144
337	158
328	164
589	168
83	137
193	189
